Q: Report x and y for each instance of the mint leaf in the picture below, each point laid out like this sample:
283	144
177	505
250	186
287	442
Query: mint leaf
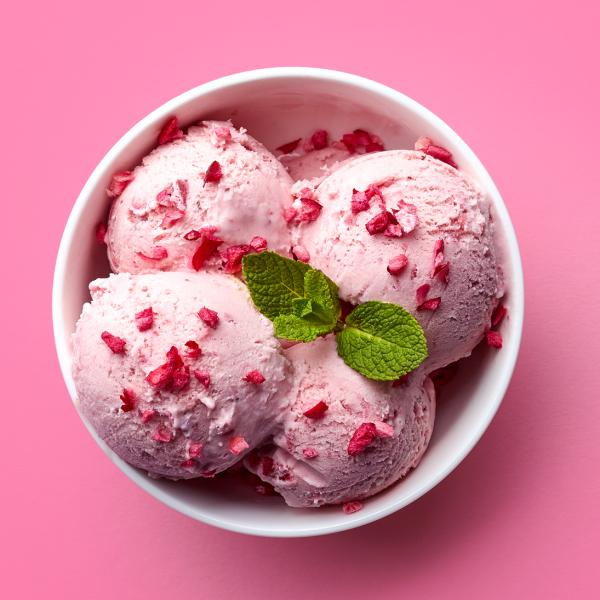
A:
382	341
318	287
274	282
303	307
292	327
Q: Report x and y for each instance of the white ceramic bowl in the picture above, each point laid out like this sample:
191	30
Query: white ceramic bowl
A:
277	105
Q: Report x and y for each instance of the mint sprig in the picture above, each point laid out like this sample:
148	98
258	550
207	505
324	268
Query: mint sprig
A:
382	341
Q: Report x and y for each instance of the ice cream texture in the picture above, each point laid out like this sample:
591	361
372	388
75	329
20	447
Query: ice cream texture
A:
201	416
215	182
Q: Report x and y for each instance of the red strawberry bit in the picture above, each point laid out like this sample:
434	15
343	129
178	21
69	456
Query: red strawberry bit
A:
182	186
378	223
156	253
267	465
317	411
319	139
192	235
116	344
222	135
101	232
374	147
406	215
189	463
213	173
494	339
397	264
383	429
195	450
237	445
426	145
309	209
206	248
498	315
232	257
118	183
350	141
422	143
144	319
362	137
300	253
128	399
362	141
181	378
289	147
352	507
393	230
431	304
362	438
422	292
171	216
193	350
148	415
439	268
162	434
310	453
289	214
203	377
163	198
209	317
164	376
258	243
360	202
170	132
161	377
255	377
173	358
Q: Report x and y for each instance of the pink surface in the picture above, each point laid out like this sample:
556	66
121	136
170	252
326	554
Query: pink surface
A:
519	518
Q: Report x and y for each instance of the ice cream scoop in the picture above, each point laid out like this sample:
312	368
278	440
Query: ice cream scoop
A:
193	198
177	372
344	437
399	226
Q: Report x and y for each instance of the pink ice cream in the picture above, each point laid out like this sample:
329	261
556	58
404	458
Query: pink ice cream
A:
189	412
431	252
309	463
315	164
216	179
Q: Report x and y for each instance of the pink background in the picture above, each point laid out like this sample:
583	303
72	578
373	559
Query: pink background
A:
520	517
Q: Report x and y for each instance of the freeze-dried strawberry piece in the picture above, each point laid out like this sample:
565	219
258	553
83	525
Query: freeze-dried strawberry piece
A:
195	449
254	376
289	214
237	445
170	132
116	344
193	350
203	377
362	137
494	339
232	257
310	453
350	141
362	141
101	232
163	198
258	243
181	378
173	358
422	292
360	202
422	143
171	216
431	304
426	145
393	230
378	223
192	235
128	399
188	463
267	465
209	317
300	253
406	215
352	507
383	430
162	434
161	377
144	319
498	315
209	242
222	135
317	411
289	147
156	253
214	173
118	183
362	438
374	147
148	415
307	211
397	264
319	139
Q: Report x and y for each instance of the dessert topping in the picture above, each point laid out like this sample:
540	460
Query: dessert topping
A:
255	377
238	444
170	132
213	173
116	344
317	411
362	438
118	183
128	399
144	319
209	317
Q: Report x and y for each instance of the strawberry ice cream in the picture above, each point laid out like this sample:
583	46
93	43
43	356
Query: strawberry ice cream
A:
400	226
196	202
344	437
177	372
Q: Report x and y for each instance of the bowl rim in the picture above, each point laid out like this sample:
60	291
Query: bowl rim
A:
512	256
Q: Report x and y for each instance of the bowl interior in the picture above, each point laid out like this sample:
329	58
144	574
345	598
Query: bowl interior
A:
276	107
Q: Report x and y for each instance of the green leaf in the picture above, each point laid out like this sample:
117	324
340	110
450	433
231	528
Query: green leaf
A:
318	287
302	307
382	341
274	282
292	327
